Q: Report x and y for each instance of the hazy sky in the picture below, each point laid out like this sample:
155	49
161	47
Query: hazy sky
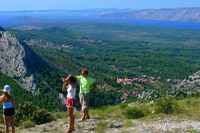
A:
17	5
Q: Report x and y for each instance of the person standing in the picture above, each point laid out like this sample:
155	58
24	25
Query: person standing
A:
85	84
8	104
70	102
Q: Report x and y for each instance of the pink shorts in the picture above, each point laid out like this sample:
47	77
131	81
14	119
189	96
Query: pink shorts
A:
71	102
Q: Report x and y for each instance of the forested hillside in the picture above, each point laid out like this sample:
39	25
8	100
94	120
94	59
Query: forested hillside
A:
21	95
47	78
148	47
156	57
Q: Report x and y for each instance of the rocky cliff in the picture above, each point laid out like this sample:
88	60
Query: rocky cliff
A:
13	61
177	14
190	85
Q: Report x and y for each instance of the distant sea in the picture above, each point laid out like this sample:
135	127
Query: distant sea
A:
5	20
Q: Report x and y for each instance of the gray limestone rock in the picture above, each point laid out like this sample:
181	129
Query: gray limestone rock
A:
13	61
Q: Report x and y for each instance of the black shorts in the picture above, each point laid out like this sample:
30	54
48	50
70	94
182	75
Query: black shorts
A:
9	112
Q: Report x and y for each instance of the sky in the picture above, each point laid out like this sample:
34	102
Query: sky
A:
19	5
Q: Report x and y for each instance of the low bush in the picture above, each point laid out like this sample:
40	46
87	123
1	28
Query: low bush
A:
30	112
166	106
133	113
41	116
123	105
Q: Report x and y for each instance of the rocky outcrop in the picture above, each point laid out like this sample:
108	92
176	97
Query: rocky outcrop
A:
190	85
13	61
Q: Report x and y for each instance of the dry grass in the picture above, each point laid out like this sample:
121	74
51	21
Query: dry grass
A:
106	111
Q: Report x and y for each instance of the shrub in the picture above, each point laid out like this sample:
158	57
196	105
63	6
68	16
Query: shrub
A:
133	113
123	105
180	94
30	112
166	106
24	112
40	116
197	94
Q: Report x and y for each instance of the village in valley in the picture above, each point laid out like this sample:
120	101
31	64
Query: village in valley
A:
43	43
139	83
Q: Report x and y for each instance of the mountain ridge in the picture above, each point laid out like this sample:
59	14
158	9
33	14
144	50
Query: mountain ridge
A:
176	14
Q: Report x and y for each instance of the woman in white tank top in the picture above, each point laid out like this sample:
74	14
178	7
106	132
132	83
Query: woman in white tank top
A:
70	102
71	92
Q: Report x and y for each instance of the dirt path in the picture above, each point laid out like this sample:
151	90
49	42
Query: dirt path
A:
117	126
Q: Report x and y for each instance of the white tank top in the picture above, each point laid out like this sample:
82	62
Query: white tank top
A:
71	92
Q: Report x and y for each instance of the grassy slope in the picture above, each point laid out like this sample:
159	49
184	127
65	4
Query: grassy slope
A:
107	119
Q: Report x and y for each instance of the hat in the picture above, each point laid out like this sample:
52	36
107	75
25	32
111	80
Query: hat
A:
6	88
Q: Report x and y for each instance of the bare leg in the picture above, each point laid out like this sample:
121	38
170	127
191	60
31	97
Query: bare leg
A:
12	122
83	117
71	119
6	122
87	115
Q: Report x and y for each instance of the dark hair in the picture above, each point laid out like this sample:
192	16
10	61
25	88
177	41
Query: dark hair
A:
7	95
85	71
72	79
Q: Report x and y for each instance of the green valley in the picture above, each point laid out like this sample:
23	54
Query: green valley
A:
151	58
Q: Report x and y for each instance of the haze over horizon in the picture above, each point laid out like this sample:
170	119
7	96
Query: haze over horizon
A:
20	5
